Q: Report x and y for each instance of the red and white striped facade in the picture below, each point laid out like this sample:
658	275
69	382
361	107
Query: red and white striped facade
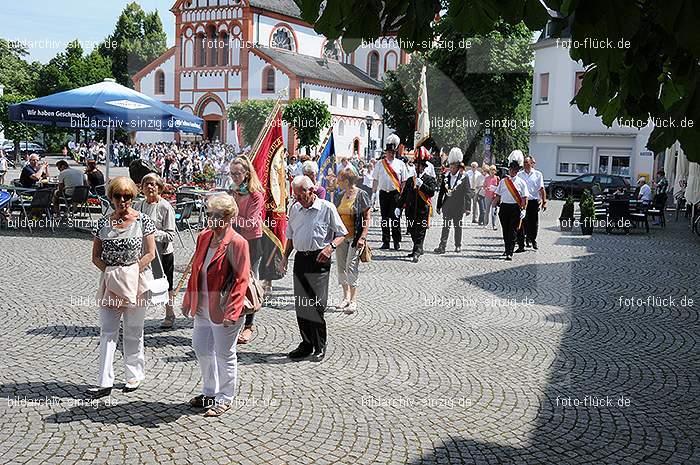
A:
215	63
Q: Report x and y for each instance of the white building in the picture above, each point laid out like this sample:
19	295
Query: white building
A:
566	142
228	51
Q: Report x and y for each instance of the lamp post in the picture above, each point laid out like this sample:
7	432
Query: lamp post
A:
368	120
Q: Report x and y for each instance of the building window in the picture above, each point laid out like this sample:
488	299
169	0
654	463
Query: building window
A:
160	82
345	100
390	61
544	88
212	43
200	43
224	46
282	38
574	160
269	79
373	65
334	99
355	102
366	107
578	82
362	129
341	128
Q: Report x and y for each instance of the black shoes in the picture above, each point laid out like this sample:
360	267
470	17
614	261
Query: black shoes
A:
397	246
458	248
527	243
384	247
319	354
98	392
439	250
415	258
534	245
520	250
509	257
300	352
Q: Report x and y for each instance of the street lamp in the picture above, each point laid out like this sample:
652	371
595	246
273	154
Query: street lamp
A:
368	121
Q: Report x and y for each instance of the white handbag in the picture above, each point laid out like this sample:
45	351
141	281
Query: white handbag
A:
159	287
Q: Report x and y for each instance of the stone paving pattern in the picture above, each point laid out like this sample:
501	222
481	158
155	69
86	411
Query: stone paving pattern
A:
464	358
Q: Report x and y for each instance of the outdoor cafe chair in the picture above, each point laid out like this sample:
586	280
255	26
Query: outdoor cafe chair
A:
40	201
78	199
183	213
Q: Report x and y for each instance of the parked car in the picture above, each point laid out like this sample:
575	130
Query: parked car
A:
575	187
24	147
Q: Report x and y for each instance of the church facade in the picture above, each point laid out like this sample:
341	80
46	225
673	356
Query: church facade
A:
228	51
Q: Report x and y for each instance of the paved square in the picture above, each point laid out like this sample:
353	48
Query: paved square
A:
459	359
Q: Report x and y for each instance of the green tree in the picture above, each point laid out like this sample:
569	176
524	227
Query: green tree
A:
18	76
251	114
307	116
71	70
651	68
470	89
137	40
16	131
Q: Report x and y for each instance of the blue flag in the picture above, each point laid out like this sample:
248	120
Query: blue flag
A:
326	161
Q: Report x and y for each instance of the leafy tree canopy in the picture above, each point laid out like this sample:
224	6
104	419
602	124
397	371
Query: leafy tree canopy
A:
18	76
251	114
654	74
15	131
72	69
308	117
137	40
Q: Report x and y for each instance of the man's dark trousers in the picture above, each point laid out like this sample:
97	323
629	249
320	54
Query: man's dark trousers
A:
530	224
388	202
311	298
509	213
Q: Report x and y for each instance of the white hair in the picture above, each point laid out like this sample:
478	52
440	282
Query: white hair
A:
301	182
309	167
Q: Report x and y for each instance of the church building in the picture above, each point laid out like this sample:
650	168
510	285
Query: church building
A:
228	51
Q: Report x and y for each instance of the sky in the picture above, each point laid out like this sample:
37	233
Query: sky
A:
46	27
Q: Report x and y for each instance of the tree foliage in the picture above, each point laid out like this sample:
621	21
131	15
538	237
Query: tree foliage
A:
308	117
15	131
137	40
18	76
251	115
654	74
71	70
486	85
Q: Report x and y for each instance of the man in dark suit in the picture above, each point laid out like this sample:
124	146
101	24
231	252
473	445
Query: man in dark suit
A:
416	198
453	200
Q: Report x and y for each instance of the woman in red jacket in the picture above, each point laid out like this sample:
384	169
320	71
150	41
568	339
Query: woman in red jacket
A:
214	296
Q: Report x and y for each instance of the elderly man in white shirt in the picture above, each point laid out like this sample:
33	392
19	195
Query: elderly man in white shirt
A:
527	235
644	195
476	183
390	175
315	230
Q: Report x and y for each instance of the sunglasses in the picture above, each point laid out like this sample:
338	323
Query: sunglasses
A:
125	197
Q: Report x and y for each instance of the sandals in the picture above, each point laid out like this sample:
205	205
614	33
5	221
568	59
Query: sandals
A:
168	322
218	410
351	308
245	339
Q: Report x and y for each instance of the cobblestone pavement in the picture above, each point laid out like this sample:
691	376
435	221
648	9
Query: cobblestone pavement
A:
463	358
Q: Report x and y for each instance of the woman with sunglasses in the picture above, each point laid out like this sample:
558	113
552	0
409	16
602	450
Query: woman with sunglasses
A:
214	297
248	193
123	248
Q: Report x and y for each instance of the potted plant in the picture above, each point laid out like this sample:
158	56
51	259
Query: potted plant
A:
587	208
566	219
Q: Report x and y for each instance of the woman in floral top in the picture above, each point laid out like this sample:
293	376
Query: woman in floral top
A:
123	247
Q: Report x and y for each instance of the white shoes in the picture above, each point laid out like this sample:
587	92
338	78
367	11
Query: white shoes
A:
132	385
351	308
343	304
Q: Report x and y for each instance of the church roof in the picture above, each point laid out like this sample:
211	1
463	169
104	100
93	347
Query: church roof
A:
329	72
285	7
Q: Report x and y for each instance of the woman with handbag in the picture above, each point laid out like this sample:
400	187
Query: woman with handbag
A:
215	297
123	247
354	209
163	216
248	193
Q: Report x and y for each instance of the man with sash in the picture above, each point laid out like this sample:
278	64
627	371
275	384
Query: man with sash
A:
512	194
527	235
390	176
453	200
416	198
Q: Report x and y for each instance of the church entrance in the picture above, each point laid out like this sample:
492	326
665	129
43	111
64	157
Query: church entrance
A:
212	130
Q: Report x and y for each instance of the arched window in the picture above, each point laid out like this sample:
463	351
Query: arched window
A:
373	65
390	61
160	82
341	128
268	79
200	42
282	38
223	42
212	45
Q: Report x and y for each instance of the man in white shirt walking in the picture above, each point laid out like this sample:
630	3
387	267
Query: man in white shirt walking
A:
511	194
476	183
315	230
390	176
527	235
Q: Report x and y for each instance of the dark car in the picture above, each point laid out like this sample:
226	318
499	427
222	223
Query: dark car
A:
575	187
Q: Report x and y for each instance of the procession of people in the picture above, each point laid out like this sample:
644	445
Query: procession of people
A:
133	247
